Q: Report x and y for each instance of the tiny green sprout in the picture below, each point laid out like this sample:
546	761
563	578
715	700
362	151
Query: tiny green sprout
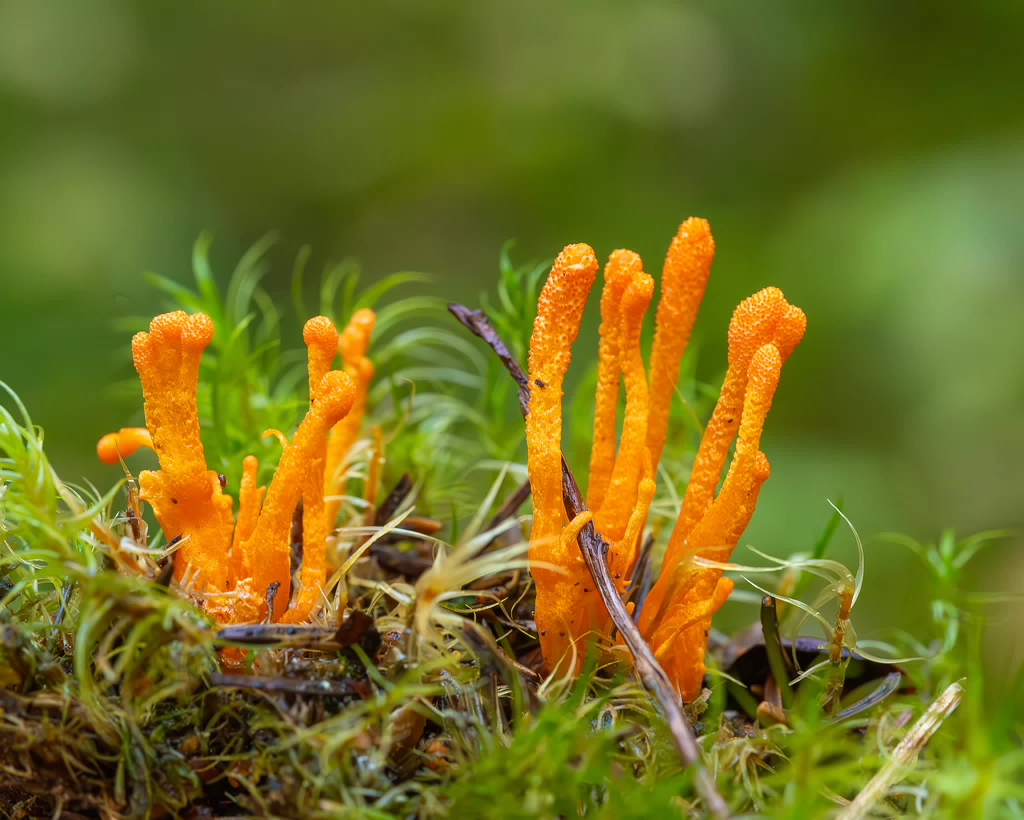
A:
946	561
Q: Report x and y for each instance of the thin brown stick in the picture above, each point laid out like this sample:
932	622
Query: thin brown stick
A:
408	564
595	554
346	687
394	500
511	505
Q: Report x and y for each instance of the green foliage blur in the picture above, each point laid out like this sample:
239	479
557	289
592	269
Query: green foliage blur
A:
867	158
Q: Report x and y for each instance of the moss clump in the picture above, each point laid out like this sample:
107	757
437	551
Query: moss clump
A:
417	689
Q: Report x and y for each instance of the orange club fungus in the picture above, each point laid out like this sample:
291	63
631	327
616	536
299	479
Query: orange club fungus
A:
566	602
764	331
231	561
353	344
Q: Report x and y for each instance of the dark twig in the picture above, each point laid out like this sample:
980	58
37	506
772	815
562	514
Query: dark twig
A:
163	577
65	599
483	644
271	595
408	564
352	631
394	500
58	620
511	505
595	554
275	635
643	577
347	687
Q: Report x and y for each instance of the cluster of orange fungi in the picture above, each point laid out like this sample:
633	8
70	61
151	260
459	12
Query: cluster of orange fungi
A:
764	331
231	561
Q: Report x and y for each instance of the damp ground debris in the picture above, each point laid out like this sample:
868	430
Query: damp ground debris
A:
335	575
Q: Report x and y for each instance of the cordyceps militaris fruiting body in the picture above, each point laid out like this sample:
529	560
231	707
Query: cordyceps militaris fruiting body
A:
764	331
230	561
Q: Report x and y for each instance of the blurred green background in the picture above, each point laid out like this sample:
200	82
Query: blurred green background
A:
867	158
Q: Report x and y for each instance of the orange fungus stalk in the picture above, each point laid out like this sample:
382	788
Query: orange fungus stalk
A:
561	578
186	497
613	515
680	632
683	281
322	345
250	499
617	274
353	344
268	545
753	323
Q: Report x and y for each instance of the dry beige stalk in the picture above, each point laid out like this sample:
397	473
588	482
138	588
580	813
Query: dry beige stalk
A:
905	753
